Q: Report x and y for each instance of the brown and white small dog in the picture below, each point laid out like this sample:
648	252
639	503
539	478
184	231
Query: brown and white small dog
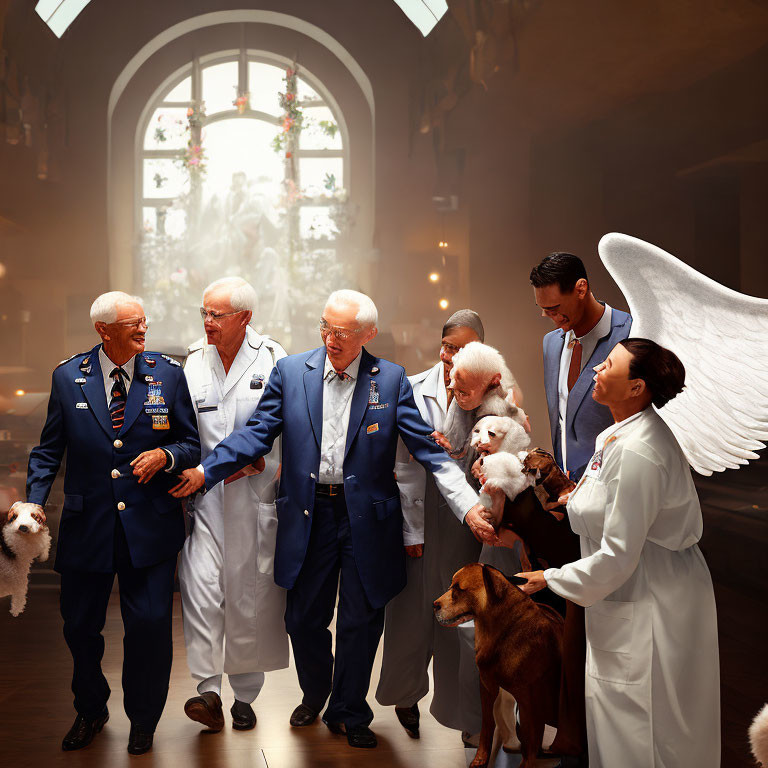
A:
518	647
548	477
23	537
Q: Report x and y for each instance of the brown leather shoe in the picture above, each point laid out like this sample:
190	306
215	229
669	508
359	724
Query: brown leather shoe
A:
82	731
206	709
303	715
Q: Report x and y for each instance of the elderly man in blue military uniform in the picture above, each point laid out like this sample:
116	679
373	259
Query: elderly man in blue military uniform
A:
125	420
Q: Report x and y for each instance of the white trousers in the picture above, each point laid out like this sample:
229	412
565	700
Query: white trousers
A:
232	614
246	685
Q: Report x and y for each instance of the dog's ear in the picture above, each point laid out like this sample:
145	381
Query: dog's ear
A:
491	587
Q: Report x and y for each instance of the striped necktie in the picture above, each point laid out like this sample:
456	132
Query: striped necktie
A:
117	403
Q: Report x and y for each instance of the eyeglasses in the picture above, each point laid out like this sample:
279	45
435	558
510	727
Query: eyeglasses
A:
342	334
134	323
451	349
216	316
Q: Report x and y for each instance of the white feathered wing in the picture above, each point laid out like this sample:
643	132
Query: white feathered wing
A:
721	337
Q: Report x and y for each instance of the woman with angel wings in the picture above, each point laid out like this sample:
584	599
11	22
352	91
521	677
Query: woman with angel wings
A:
652	690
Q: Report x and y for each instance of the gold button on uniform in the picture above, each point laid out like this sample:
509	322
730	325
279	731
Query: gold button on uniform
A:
306	512
121	505
115	473
118	443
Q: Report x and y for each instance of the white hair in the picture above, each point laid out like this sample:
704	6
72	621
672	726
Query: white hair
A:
104	308
367	314
242	296
483	360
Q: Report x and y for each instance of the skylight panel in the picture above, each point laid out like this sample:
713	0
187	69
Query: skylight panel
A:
59	14
424	13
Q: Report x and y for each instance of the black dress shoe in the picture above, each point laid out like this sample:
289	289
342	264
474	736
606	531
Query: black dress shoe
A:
243	716
206	709
409	719
139	741
573	761
361	736
82	731
303	715
337	728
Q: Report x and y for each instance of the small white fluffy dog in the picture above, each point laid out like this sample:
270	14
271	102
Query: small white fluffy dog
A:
23	538
501	442
758	737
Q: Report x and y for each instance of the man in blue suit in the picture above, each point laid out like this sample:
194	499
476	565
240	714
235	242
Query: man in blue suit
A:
121	415
340	411
587	330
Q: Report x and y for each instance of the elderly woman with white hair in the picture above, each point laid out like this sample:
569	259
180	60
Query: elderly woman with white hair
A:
233	610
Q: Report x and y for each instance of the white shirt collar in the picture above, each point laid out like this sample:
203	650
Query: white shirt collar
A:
351	370
107	366
434	386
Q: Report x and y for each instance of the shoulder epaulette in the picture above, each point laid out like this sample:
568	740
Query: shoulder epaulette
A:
68	359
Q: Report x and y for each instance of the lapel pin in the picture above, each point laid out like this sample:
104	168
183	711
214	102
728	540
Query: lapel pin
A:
372	428
374	370
80	381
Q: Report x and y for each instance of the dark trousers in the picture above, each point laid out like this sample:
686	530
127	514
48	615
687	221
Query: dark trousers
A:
309	612
146	604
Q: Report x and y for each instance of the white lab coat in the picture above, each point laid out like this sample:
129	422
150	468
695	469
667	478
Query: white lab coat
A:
652	685
411	635
233	610
432	401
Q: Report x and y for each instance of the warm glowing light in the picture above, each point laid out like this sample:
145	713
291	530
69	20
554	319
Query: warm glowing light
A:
442	244
443	303
20	392
433	277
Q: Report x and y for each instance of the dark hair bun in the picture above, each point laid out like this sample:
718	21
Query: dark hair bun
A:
658	367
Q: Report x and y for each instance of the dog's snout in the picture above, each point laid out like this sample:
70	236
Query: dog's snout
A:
24	529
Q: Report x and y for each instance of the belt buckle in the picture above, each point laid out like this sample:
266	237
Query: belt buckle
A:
333	489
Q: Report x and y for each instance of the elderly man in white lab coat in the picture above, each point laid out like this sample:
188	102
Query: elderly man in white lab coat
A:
233	610
438	546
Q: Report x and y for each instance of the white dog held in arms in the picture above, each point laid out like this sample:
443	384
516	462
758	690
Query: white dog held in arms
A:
501	442
23	538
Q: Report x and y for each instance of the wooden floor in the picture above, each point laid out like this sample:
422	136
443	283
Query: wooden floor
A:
36	702
36	711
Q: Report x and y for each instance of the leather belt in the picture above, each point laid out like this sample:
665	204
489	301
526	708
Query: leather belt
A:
329	489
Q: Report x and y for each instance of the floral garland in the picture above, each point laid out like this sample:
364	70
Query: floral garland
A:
194	158
293	116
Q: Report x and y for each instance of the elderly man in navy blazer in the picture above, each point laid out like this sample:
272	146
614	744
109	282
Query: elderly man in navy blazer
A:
122	416
340	411
587	330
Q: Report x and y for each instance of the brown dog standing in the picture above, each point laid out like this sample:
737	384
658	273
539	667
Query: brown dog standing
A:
518	646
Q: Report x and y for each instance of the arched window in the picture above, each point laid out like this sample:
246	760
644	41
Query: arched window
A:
242	169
